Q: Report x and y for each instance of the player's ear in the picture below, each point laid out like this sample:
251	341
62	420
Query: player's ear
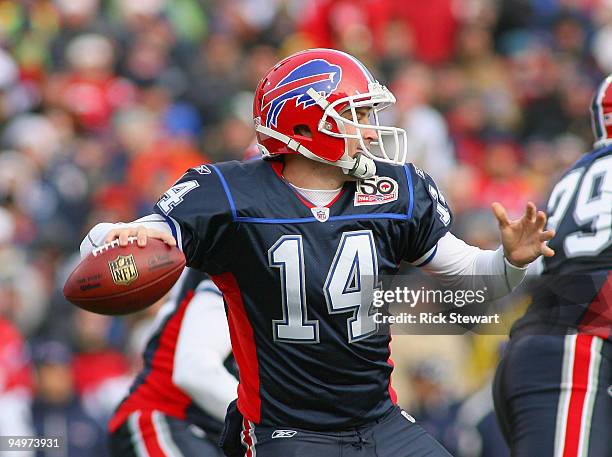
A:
302	130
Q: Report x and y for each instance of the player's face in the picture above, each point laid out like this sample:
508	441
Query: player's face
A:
368	135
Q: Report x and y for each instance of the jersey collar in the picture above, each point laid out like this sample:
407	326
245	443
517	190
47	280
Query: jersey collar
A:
278	166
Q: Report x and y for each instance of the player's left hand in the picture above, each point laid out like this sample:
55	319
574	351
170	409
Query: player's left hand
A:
524	239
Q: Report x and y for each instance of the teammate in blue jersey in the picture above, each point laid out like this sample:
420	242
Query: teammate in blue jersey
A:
553	387
295	243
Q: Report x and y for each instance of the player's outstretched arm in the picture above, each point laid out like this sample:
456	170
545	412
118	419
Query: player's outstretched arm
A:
524	239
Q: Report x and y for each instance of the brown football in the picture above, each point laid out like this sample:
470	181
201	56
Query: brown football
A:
121	280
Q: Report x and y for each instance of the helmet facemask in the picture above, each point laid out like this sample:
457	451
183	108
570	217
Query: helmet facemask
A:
391	144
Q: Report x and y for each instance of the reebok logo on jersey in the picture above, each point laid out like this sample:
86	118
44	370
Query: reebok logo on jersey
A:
321	213
376	191
283	433
203	170
419	171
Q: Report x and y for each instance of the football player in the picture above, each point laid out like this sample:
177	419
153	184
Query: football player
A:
295	244
553	388
177	404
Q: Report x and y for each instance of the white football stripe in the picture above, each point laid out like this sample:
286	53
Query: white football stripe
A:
589	400
565	393
136	434
164	437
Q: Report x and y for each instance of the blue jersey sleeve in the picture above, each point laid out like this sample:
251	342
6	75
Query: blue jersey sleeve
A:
200	216
431	217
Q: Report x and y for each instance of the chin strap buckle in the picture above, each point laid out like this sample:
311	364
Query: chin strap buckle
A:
364	167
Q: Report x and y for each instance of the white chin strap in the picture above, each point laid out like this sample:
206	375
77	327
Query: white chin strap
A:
360	166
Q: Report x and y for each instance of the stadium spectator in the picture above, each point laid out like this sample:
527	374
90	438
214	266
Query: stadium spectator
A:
56	411
102	374
434	408
478	433
428	138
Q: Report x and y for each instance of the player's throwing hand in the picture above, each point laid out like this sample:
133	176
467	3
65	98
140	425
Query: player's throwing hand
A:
524	239
141	232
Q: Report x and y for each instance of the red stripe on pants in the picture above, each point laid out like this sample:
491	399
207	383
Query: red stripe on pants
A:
149	435
580	383
392	393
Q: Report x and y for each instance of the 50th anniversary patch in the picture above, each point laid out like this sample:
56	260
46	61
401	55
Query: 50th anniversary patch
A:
376	191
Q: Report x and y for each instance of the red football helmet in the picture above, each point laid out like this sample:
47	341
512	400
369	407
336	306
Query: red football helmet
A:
313	88
601	113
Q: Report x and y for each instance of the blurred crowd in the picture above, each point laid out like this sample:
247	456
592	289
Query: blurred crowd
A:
105	103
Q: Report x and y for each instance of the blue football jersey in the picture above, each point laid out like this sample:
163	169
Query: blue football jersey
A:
580	210
293	275
575	289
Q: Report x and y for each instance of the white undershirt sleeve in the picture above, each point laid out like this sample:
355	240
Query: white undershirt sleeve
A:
455	261
202	347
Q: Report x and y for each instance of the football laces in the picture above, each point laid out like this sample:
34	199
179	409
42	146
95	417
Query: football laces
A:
113	244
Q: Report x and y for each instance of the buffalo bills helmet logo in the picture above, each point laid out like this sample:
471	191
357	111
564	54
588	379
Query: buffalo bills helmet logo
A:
316	74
